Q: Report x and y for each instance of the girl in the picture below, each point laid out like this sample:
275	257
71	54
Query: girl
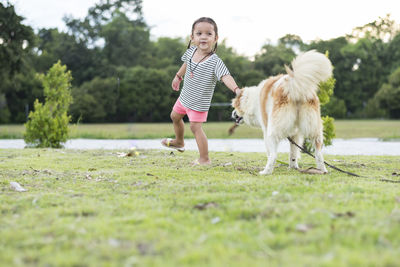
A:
201	69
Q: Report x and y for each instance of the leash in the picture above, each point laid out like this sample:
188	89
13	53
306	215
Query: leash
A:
238	120
336	168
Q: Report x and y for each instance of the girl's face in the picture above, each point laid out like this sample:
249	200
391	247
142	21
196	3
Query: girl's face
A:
204	37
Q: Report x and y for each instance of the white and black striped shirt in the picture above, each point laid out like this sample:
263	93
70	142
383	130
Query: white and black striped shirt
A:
198	90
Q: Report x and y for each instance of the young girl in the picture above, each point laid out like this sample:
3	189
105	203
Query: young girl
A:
201	69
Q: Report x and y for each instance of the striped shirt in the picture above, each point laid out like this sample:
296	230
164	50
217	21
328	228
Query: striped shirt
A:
198	90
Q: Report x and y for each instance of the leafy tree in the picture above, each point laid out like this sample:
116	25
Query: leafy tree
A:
89	29
145	95
383	29
272	59
368	62
392	54
388	95
335	108
84	63
16	41
126	43
22	91
362	72
292	41
48	123
167	52
96	101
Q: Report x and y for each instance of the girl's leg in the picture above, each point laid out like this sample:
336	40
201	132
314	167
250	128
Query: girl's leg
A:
201	140
179	128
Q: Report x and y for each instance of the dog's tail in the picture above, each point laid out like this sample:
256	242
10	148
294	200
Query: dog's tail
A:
309	69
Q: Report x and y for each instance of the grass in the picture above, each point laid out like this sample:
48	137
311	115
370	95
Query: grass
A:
93	208
383	129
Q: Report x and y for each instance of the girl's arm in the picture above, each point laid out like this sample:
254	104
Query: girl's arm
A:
231	84
178	77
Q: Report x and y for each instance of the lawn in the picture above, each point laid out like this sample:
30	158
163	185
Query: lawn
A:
384	129
95	208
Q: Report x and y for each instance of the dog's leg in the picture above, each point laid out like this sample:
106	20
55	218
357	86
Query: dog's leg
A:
294	151
319	158
271	143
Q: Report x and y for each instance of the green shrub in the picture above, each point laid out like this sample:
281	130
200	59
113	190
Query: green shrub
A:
388	96
335	107
48	123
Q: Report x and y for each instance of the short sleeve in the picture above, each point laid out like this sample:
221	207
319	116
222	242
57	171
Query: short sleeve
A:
220	69
185	57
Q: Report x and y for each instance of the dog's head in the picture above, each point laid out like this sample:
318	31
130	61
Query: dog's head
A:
238	119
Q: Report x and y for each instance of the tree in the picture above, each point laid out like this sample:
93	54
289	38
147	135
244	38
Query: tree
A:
16	40
126	43
360	73
167	52
84	63
392	54
388	95
96	100
145	95
89	29
292	41
48	123
383	28
272	59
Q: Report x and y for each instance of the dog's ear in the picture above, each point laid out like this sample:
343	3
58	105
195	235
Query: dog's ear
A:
289	71
233	102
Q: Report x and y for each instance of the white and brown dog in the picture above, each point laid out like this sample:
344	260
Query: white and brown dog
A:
288	106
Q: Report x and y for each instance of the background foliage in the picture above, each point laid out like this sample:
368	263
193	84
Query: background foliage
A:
48	123
122	74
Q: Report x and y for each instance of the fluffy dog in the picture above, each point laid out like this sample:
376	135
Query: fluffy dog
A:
287	106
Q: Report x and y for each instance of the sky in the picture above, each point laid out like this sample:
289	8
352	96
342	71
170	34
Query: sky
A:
246	25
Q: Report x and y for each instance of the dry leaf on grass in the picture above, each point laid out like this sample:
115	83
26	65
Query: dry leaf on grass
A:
304	227
17	187
132	153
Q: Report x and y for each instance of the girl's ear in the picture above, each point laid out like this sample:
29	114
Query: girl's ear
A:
216	38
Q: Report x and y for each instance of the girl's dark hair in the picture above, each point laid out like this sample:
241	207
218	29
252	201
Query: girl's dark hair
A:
208	20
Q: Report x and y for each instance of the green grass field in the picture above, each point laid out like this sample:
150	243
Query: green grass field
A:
384	129
93	208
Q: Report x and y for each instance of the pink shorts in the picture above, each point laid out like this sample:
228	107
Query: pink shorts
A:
194	116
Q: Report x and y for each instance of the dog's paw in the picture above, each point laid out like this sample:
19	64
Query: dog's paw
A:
265	172
323	169
294	166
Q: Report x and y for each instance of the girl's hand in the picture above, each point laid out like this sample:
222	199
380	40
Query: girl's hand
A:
238	91
175	83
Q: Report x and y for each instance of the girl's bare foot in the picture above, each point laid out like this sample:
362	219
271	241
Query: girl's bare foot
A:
172	143
201	162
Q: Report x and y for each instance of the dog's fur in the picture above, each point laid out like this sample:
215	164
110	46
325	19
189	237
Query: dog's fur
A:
288	106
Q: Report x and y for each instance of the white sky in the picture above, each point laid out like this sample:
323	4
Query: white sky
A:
246	25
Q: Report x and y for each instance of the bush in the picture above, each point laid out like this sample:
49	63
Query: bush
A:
48	123
96	100
335	108
388	95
